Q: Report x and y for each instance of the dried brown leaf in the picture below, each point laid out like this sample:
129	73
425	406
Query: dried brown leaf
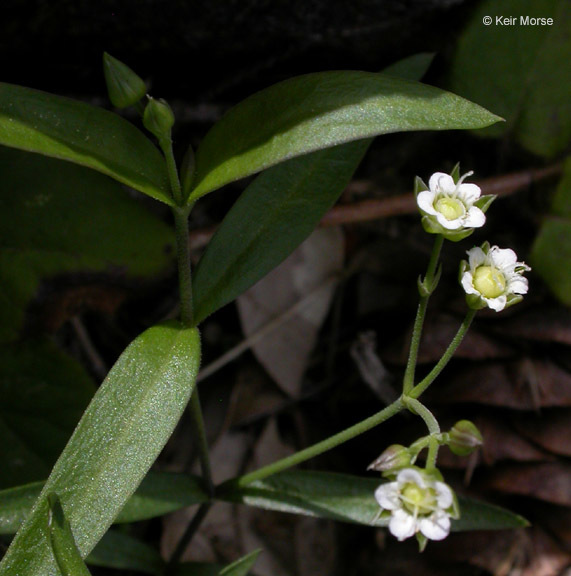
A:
549	481
550	430
254	397
544	325
297	295
522	385
529	552
439	332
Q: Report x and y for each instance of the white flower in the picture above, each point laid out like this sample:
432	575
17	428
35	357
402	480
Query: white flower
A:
418	503
493	277
451	208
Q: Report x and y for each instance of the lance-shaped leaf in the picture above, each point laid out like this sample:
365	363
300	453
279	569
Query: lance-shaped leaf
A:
159	493
321	110
269	220
83	134
350	499
277	212
123	430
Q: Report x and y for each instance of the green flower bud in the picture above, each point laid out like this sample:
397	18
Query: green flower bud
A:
464	438
394	457
124	87
158	118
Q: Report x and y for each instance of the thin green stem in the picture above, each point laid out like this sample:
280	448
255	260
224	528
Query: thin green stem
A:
183	259
419	408
199	433
319	448
408	381
431	376
174	180
186	538
433	446
416	407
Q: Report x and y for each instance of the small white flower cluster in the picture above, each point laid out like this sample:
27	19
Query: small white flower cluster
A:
492	277
418	503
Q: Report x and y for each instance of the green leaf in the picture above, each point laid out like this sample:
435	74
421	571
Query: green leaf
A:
65	222
64	548
277	212
161	493
242	566
123	552
70	130
518	71
43	393
322	110
123	430
15	505
269	220
552	246
350	499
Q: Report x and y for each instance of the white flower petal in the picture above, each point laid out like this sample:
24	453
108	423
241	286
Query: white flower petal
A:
475	218
402	525
518	285
476	257
444	495
387	495
425	201
436	526
410	475
497	304
502	258
434	182
468	283
469	193
446	184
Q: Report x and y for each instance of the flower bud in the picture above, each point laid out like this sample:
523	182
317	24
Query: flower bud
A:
464	438
394	457
158	118
124	87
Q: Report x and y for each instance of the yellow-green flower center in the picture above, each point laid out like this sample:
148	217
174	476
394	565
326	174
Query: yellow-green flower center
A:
450	208
418	500
489	281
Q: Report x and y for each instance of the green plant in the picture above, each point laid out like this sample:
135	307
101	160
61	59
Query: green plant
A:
307	135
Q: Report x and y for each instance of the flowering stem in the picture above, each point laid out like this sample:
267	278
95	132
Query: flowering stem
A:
433	446
317	449
174	180
421	410
408	381
427	381
183	258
